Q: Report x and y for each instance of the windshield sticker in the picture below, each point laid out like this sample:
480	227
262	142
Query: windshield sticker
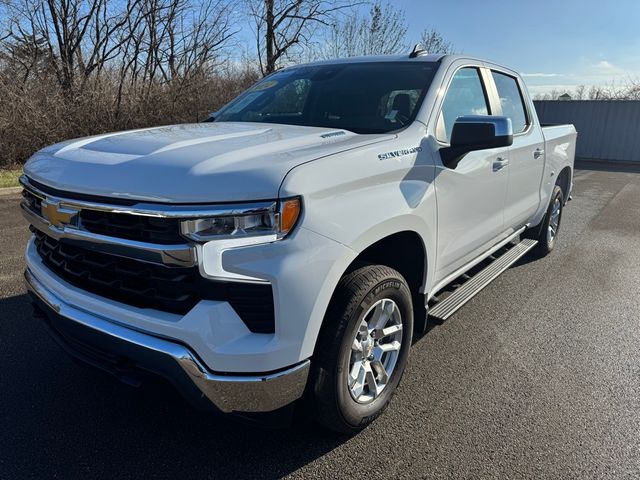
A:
264	85
399	153
242	102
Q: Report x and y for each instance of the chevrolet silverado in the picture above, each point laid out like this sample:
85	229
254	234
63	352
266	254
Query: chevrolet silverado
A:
286	250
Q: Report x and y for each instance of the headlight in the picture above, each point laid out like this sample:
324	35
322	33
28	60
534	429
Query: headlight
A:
272	223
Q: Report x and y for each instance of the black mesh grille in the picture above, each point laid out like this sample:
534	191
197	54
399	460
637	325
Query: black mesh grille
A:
148	285
34	202
129	281
164	231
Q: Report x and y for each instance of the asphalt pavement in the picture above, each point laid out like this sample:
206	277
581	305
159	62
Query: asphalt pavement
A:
537	377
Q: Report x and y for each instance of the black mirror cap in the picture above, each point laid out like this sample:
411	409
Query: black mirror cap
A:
211	117
476	132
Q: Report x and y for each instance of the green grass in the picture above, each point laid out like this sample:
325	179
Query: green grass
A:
9	178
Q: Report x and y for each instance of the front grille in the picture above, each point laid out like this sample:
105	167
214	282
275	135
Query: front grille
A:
149	285
141	228
130	281
164	231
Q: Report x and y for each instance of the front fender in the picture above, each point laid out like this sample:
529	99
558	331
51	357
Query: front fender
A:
364	195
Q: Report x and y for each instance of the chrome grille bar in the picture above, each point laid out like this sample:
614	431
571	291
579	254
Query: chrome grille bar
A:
170	255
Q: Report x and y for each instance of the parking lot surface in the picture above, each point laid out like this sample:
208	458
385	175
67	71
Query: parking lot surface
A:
537	377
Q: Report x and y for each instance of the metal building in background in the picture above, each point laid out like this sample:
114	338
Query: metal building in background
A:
607	129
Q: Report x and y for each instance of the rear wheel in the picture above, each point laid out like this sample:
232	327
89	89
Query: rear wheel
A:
547	232
363	348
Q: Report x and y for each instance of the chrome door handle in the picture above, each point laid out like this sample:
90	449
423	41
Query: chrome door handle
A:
499	163
538	153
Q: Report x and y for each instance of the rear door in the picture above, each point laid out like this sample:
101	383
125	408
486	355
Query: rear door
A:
526	155
470	198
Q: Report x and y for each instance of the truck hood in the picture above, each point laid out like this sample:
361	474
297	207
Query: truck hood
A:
192	163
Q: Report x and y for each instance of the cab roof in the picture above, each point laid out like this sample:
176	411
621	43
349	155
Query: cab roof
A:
381	59
438	57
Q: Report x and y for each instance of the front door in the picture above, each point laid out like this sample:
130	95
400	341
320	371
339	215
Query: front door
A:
471	197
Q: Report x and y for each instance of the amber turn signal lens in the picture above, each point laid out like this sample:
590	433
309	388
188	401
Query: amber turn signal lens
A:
289	212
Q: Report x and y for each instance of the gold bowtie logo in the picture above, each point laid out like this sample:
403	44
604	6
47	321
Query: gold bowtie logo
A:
57	215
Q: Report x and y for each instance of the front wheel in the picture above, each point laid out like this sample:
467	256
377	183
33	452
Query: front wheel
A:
363	348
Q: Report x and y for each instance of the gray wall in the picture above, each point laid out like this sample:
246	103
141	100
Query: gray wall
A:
607	130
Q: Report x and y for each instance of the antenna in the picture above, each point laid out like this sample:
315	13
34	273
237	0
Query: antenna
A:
417	51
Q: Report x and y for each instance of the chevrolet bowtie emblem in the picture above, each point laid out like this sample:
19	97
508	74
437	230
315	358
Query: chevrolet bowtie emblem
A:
58	215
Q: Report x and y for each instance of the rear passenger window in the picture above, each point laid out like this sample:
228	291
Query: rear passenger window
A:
465	96
511	101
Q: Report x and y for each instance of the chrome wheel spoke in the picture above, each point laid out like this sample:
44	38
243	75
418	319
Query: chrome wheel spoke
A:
363	330
383	348
355	372
387	331
381	315
370	379
383	376
357	379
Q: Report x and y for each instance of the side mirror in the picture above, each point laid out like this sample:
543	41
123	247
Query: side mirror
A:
211	117
476	132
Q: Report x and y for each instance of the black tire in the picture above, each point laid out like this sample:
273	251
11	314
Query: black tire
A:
331	400
546	243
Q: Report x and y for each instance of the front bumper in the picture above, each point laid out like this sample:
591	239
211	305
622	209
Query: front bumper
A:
94	339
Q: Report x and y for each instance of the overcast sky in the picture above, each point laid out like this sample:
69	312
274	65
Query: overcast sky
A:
555	44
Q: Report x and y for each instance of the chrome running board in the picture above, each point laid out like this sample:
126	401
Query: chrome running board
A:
461	295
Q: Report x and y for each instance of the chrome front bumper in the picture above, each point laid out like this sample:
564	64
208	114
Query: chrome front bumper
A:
227	392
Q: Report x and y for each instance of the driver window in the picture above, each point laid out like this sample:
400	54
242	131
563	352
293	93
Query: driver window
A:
465	96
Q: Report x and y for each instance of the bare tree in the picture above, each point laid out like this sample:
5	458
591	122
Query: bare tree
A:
629	91
164	39
550	95
283	25
610	92
433	42
75	36
633	89
579	92
597	93
380	32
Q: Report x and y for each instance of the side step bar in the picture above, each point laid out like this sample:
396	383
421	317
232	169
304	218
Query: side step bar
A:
447	307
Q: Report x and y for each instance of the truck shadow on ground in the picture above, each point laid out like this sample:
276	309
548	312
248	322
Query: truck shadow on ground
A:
62	419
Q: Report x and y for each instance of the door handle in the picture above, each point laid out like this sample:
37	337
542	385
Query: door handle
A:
538	153
499	163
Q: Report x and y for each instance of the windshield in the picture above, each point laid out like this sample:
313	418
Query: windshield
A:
360	97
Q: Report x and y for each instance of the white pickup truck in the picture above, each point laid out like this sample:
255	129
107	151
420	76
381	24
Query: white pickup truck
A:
290	247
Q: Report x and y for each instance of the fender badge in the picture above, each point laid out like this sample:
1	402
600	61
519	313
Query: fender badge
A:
399	153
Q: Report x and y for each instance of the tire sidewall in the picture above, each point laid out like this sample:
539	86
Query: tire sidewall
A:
354	413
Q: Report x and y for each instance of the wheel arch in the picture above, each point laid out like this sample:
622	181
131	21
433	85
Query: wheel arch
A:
404	251
564	182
